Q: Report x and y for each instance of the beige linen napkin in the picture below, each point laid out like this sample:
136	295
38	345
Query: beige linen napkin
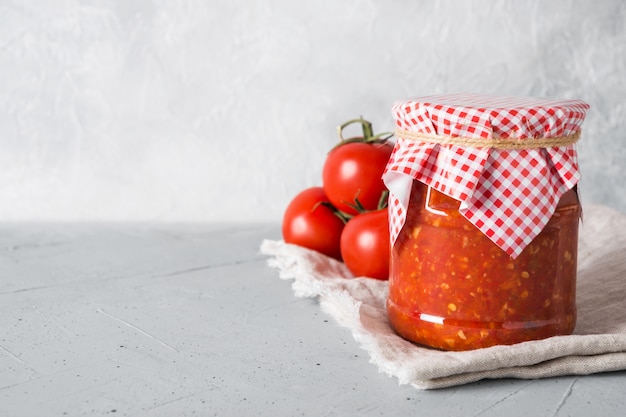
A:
597	345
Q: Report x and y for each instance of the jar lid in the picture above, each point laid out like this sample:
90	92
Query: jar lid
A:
508	160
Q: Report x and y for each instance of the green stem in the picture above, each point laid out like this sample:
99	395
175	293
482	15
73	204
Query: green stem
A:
384	200
368	133
343	216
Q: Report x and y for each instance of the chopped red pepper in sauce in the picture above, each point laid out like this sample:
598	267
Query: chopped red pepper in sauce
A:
452	288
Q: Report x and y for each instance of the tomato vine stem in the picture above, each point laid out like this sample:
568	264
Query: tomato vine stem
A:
368	133
345	217
358	206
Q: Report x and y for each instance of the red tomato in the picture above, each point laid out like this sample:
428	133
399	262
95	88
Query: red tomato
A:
353	171
309	221
365	245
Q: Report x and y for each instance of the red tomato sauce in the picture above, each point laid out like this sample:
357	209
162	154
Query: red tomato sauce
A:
452	288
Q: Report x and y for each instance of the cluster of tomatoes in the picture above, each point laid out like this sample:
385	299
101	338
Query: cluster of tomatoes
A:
347	217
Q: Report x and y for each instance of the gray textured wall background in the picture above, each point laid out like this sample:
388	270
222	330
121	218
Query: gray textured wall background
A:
224	109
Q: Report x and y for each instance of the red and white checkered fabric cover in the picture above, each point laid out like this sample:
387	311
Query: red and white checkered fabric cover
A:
509	194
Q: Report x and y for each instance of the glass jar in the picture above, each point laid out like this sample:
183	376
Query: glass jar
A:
452	288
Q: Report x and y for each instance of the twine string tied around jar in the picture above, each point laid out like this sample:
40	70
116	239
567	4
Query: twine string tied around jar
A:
495	143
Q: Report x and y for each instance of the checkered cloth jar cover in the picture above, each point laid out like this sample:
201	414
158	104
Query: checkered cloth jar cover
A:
508	160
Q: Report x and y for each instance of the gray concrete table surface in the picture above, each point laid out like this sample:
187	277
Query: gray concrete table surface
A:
187	319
